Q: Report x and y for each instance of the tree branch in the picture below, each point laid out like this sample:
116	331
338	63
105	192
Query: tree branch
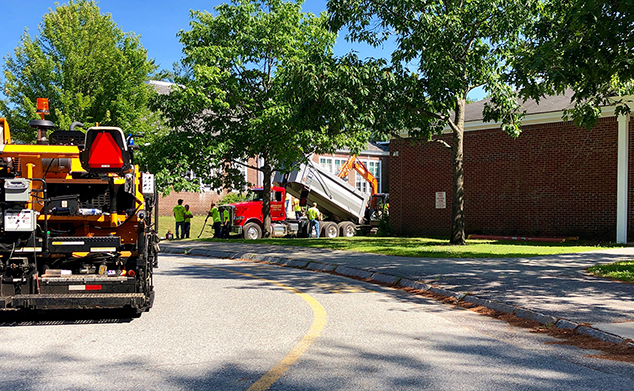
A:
441	142
246	165
437	116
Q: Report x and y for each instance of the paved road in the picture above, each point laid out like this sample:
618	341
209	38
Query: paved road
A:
229	325
555	285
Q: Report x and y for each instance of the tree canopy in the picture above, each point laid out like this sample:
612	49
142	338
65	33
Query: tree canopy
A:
230	103
88	68
443	50
583	45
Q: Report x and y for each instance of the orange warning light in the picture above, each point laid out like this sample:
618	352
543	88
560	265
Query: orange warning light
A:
42	106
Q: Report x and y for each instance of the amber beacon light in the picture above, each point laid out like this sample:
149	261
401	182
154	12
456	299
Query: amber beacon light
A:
42	107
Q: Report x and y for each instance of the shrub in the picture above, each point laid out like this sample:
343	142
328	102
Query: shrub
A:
385	229
231	198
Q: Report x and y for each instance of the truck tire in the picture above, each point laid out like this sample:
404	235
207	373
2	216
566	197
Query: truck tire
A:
347	229
303	229
330	230
252	231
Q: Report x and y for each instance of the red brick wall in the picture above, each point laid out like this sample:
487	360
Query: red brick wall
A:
553	180
199	203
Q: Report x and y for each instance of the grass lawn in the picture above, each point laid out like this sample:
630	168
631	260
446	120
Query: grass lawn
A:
622	271
407	247
167	222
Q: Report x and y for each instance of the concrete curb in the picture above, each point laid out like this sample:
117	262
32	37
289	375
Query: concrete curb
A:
390	280
320	267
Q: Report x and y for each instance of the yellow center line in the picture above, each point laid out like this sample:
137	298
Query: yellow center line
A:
319	321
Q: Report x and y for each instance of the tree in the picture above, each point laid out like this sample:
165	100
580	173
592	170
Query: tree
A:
444	49
231	103
88	68
584	45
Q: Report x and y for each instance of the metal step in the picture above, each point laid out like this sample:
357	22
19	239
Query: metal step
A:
75	301
88	278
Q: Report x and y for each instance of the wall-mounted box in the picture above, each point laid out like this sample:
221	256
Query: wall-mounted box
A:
24	220
17	190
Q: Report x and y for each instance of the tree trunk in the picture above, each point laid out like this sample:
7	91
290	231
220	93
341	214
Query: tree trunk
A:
457	205
266	200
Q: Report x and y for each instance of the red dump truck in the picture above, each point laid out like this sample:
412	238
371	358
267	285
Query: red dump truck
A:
345	208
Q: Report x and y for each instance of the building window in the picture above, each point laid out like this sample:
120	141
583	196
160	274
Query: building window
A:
243	170
333	165
374	166
326	162
205	187
361	184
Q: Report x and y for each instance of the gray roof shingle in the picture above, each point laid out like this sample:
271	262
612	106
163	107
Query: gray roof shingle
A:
554	103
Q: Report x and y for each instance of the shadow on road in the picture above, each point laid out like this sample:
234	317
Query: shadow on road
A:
64	317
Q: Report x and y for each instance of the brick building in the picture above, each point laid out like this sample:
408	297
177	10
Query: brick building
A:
555	179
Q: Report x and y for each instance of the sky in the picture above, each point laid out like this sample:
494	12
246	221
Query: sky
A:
156	22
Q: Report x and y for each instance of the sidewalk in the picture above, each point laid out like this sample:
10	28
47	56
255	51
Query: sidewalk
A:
549	289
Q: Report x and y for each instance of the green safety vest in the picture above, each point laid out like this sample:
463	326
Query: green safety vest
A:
215	214
179	213
312	213
188	216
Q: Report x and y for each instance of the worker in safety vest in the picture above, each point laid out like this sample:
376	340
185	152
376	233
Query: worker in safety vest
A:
179	218
287	203
226	226
313	217
297	209
187	223
217	224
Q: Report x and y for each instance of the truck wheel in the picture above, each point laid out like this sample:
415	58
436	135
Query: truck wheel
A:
330	230
252	231
347	229
303	229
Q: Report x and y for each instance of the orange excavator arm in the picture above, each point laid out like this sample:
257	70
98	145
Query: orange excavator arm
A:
353	163
346	167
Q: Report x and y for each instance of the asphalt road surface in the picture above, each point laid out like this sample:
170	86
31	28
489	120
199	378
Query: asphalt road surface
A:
222	324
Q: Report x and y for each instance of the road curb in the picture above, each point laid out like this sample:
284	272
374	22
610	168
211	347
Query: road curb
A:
390	280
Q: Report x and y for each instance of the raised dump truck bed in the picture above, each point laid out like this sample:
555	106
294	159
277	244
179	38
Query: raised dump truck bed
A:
335	197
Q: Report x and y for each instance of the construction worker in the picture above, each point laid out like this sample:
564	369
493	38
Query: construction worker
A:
313	217
226	227
297	209
187	224
179	217
215	216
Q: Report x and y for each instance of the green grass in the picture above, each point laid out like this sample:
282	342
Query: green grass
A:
622	271
434	247
167	222
407	247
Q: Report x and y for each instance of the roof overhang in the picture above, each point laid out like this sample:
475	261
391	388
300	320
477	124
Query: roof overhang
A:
543	118
540	118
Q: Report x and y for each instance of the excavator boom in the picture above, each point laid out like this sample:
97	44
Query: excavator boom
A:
353	163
